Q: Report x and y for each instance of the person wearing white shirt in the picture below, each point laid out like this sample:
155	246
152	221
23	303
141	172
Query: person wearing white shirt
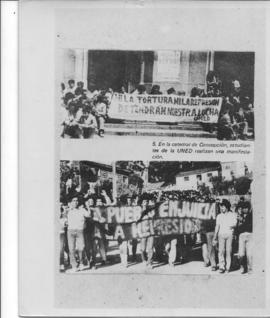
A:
76	224
225	224
71	87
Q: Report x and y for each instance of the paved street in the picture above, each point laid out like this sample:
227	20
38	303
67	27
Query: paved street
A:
113	266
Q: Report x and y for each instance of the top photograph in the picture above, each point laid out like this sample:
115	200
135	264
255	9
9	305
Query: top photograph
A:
169	93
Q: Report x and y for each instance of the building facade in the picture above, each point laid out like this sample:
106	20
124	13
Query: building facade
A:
191	180
236	169
168	68
181	69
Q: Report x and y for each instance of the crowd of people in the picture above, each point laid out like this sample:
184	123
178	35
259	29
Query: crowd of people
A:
83	233
85	111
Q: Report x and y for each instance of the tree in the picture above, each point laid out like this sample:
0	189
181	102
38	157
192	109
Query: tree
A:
242	185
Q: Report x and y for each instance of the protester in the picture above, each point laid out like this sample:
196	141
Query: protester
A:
156	90
76	224
140	90
225	127
208	249
63	238
245	237
171	91
70	124
238	106
100	233
226	222
101	112
241	124
152	248
89	232
71	87
87	123
147	243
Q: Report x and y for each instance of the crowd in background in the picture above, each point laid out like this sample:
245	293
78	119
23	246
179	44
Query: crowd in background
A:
84	111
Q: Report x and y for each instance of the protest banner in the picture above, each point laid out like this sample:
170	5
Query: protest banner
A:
163	219
165	108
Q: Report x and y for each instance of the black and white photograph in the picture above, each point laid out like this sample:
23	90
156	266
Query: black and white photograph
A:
161	217
142	159
172	93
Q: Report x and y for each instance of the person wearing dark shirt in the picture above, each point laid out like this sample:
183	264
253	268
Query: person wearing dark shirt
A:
209	251
171	91
225	127
245	239
155	90
241	123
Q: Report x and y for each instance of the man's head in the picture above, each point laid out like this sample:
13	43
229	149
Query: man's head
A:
71	83
239	210
99	202
225	206
128	200
79	91
245	208
171	91
92	88
90	202
144	202
74	202
141	89
122	89
155	89
80	84
68	97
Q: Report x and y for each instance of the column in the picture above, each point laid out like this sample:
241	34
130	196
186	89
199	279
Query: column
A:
85	67
81	65
146	174
91	76
185	71
209	65
114	184
211	61
142	69
68	63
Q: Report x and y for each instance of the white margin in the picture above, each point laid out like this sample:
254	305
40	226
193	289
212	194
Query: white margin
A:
9	159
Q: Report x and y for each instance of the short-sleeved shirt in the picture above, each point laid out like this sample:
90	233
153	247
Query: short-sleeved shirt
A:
76	218
101	108
69	90
227	222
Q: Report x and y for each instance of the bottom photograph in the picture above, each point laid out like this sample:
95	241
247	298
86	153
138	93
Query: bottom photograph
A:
160	217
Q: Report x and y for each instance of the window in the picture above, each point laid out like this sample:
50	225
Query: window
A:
199	177
186	178
210	174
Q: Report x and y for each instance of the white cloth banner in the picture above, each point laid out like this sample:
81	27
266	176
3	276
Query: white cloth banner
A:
165	108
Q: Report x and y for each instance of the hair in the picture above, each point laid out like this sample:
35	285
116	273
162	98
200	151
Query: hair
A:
80	83
155	88
226	203
68	96
141	88
79	91
71	81
75	196
171	90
